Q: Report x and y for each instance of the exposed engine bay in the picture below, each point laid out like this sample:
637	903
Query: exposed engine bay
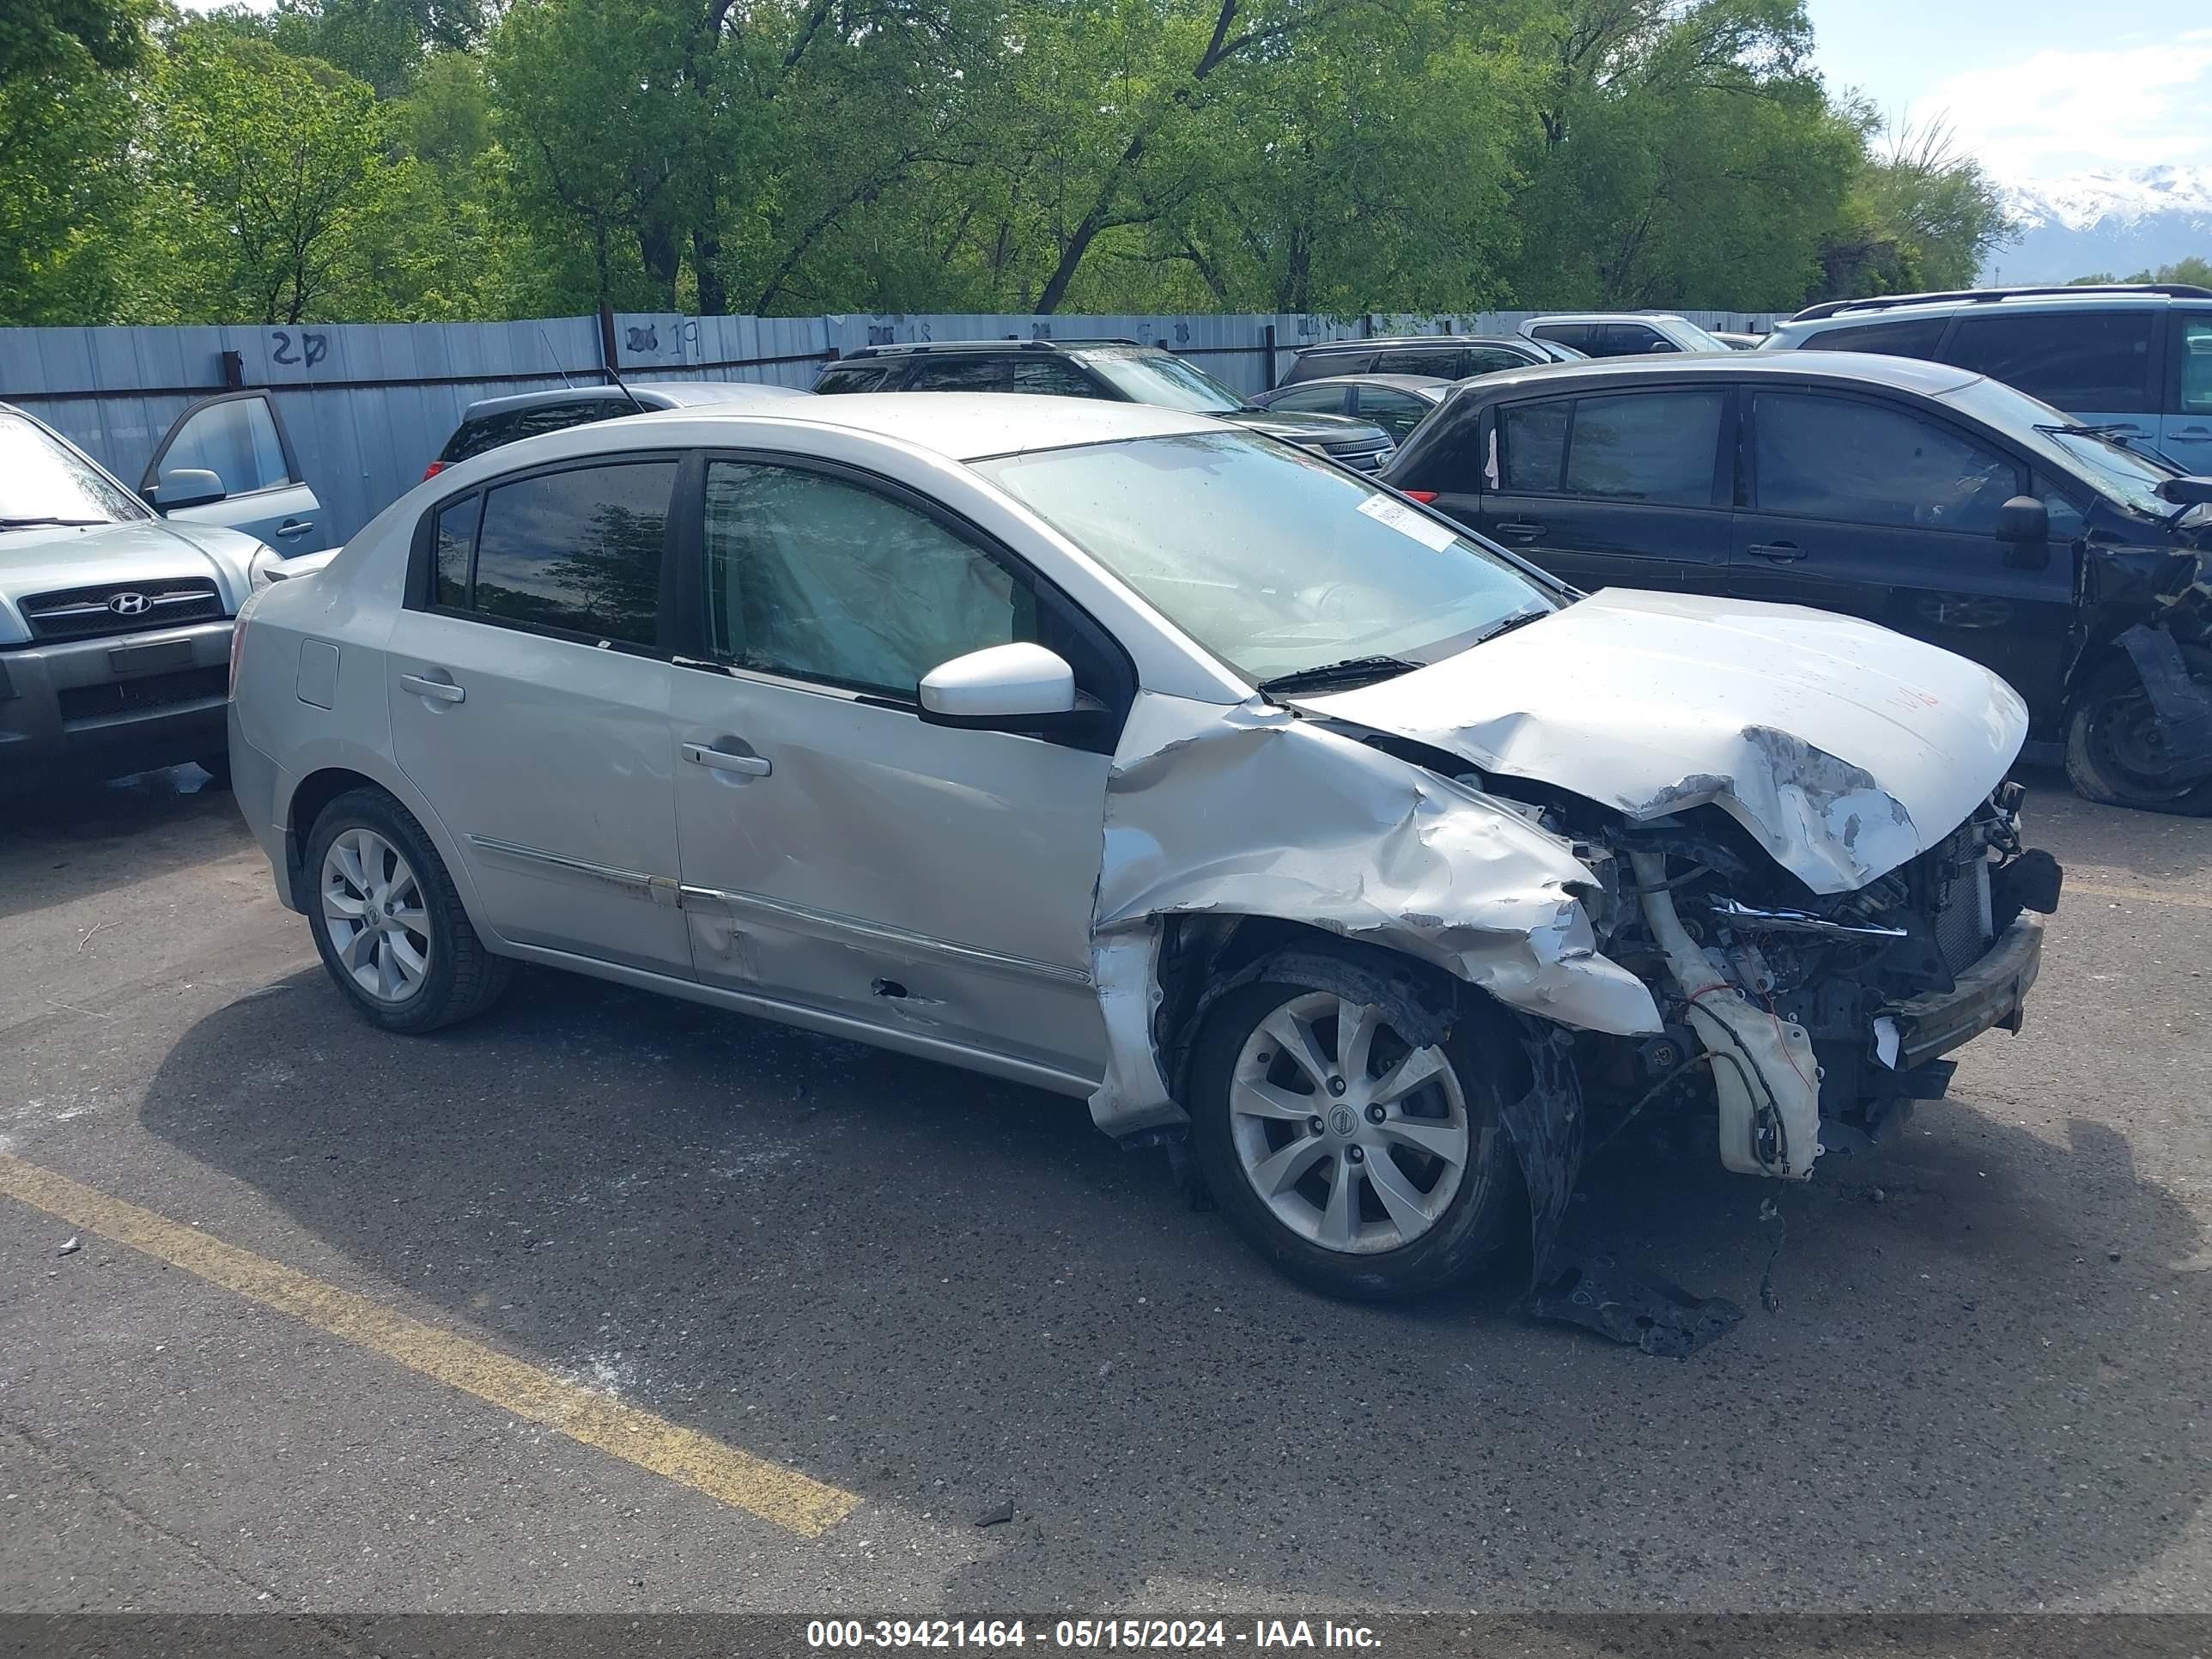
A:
1783	1008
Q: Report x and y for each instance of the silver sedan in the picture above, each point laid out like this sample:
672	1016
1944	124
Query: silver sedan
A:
1148	761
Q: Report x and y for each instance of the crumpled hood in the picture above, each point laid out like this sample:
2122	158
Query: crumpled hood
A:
43	559
1843	748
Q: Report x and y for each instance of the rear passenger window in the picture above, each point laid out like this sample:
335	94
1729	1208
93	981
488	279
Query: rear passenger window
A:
456	548
559	417
2192	343
1319	365
960	374
1533	447
1054	377
1442	362
2086	362
474	437
1658	446
1489	359
869	375
1632	340
1916	338
1581	336
578	550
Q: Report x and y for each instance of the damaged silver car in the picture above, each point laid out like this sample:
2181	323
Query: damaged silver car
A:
1124	754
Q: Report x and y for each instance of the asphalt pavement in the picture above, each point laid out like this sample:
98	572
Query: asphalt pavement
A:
581	1307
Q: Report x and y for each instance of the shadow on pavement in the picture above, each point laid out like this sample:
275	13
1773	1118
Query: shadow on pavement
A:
946	1292
73	837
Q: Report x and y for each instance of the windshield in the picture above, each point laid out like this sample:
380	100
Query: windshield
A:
1693	338
46	482
1165	382
1274	561
2113	470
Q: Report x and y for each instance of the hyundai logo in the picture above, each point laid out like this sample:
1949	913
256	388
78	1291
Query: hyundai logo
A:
130	604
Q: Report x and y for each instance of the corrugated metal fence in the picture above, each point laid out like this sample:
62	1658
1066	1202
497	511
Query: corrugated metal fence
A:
368	405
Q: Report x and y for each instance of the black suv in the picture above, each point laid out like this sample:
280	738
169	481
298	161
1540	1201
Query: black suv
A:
1445	356
1118	371
497	421
1928	498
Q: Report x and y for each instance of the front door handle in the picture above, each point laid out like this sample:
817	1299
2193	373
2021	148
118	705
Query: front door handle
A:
720	760
292	527
437	690
1519	529
1778	552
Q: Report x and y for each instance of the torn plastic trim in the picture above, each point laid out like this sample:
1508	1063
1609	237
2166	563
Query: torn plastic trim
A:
1764	1074
2183	706
1385	852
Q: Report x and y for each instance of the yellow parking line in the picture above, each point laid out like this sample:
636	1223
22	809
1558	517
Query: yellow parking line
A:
767	1490
2140	895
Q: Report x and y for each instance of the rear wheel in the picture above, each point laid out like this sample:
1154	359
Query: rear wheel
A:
388	922
2115	748
1360	1161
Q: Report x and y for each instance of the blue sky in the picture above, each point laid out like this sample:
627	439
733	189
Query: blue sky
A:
2035	88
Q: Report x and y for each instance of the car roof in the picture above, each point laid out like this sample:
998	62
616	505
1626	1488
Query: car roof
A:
1398	341
964	426
655	394
2006	305
1394	382
1606	317
1859	368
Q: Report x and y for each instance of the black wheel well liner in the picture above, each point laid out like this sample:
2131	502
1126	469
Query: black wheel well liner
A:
1204	955
317	791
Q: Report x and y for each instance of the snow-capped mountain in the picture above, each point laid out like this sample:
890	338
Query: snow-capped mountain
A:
2122	223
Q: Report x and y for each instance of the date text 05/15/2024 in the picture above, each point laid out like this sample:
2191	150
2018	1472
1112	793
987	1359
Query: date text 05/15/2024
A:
1167	1635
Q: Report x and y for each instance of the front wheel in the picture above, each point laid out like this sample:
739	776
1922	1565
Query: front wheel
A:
2115	749
387	921
1362	1163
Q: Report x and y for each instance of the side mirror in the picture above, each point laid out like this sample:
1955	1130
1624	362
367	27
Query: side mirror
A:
2024	527
186	486
1002	687
2187	492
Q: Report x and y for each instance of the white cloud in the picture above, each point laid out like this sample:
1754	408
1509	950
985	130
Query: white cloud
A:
2121	106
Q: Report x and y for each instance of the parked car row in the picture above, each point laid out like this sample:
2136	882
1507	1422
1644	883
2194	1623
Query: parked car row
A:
1134	754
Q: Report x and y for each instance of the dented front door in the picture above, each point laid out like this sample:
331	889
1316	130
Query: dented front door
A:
839	852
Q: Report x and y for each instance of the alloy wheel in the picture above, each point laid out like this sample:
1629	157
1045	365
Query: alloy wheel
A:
374	909
1355	1139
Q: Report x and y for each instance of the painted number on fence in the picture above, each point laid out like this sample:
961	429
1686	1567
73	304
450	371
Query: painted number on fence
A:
311	349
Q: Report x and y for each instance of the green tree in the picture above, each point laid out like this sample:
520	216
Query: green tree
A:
269	168
69	37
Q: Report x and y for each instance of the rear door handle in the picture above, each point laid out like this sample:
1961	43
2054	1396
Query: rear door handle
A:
1519	529
437	690
720	760
292	527
1778	552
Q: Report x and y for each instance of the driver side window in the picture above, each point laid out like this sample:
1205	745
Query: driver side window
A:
1851	462
816	577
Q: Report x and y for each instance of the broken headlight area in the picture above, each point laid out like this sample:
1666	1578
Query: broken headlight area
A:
1790	1013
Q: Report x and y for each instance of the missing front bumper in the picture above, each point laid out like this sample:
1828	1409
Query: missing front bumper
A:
1992	993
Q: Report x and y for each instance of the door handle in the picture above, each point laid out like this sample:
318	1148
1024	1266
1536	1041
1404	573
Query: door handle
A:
720	760
1519	529
437	690
292	527
1777	552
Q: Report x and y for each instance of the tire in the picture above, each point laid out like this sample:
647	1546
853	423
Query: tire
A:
1421	1229
2106	728
422	965
217	767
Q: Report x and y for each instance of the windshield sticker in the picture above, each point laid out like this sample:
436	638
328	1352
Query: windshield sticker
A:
1406	522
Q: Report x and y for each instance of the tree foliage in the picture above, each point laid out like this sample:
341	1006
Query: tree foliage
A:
455	158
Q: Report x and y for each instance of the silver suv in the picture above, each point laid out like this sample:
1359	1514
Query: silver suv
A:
1149	760
115	622
2134	359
